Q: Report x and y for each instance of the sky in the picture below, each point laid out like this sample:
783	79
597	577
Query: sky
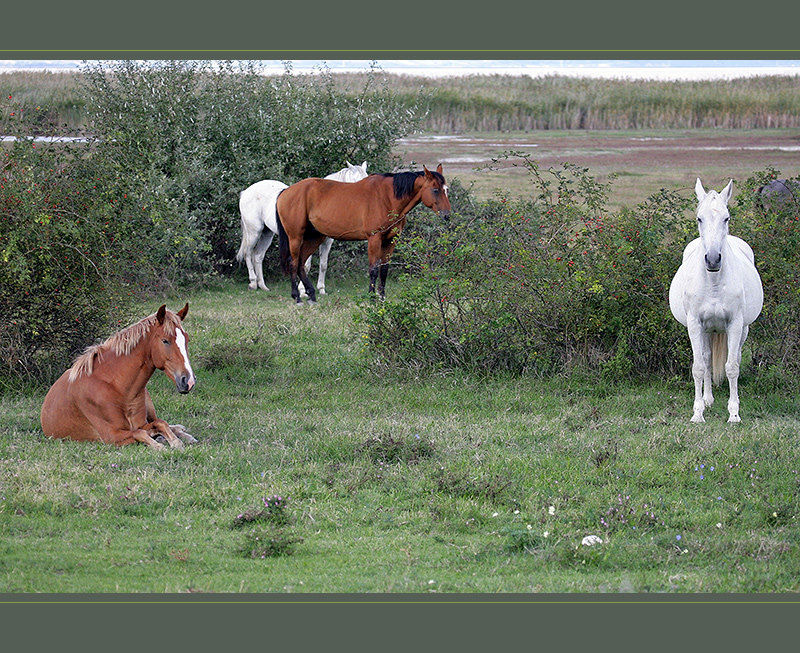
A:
636	69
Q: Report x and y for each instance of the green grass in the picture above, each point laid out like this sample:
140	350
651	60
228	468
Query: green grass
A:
398	482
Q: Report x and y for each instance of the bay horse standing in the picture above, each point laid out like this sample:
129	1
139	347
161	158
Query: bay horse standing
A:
373	209
716	293
104	396
259	226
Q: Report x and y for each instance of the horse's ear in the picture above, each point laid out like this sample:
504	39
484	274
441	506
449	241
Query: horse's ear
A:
699	190
161	314
364	165
727	191
182	313
439	168
427	172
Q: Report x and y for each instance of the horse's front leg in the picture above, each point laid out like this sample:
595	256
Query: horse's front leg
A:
374	251
736	338
386	254
701	369
161	427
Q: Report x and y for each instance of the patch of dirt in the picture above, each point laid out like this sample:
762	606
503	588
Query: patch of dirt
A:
644	161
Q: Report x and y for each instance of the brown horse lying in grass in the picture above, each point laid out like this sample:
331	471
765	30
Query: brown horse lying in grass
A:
104	396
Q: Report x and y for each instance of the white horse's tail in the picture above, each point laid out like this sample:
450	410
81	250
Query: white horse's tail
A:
719	355
243	249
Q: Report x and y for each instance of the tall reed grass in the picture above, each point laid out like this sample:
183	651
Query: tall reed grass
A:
477	103
516	103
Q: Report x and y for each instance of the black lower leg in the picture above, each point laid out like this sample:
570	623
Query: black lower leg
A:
384	274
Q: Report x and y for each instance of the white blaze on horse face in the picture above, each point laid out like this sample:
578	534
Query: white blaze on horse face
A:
180	340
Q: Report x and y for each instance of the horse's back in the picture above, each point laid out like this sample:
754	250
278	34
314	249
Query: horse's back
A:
334	208
257	203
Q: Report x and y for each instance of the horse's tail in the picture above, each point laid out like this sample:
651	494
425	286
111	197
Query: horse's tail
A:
283	243
719	355
242	249
246	239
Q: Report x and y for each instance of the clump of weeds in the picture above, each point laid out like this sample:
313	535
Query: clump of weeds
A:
267	531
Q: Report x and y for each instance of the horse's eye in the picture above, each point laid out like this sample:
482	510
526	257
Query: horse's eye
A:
166	342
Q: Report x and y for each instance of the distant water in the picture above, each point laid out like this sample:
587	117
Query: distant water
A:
660	69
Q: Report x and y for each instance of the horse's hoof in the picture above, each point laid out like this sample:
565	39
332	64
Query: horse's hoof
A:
734	418
698	418
252	286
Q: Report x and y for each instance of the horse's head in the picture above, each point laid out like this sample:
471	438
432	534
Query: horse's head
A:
434	192
352	173
712	222
168	348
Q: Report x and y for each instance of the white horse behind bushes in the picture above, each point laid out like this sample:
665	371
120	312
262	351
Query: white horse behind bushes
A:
259	225
716	293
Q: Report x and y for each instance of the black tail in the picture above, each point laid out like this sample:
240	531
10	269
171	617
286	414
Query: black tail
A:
283	243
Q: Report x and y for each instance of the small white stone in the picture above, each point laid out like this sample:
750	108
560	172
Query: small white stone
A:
591	540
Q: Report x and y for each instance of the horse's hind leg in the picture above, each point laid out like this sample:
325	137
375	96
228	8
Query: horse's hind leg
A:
307	267
247	249
324	252
311	243
258	259
309	287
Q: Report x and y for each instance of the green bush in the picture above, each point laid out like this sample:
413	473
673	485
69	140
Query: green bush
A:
556	284
60	256
201	134
149	202
774	235
544	285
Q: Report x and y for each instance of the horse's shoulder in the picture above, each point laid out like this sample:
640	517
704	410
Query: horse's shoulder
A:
742	247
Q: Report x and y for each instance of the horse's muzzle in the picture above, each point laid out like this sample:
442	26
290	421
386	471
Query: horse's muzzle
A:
184	383
713	263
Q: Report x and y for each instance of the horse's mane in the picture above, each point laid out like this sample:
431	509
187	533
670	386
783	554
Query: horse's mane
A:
122	343
404	182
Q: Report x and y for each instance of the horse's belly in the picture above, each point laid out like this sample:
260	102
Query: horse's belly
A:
338	229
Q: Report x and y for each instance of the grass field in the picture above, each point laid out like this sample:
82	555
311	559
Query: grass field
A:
394	483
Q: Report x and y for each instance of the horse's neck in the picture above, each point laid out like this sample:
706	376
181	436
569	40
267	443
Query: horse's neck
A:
402	206
130	372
